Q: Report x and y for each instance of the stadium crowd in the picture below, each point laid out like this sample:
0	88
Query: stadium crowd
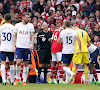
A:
48	15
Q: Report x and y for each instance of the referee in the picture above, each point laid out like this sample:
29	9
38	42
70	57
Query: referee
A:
43	41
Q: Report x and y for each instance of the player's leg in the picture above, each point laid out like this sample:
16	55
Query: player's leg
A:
66	60
61	73
26	59
76	60
19	56
46	63
3	72
94	56
85	61
11	63
53	72
41	63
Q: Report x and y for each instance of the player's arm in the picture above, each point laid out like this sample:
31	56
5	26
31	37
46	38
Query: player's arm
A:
32	41
14	42
59	40
79	43
98	60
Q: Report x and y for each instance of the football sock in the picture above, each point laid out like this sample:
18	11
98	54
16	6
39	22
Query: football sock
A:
67	77
18	72
74	69
67	70
3	73
51	73
86	72
45	74
12	73
55	72
61	73
95	74
25	73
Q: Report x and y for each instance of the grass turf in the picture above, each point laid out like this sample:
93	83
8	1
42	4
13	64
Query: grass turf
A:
51	87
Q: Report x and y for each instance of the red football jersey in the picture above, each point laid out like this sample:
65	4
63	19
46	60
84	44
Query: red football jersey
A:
56	47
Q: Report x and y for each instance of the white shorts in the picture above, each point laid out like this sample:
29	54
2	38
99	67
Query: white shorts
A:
56	57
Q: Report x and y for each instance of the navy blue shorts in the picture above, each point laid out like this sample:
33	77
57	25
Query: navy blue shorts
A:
94	56
23	53
3	56
66	58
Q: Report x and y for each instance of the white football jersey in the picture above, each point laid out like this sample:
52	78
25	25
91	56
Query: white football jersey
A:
68	40
92	48
23	34
6	32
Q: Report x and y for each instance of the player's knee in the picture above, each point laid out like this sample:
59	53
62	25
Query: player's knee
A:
3	62
18	63
11	62
85	65
54	64
2	68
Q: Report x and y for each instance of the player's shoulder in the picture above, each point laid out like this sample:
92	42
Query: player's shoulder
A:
30	24
17	24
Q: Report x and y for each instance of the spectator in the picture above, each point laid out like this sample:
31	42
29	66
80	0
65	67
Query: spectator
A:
2	11
39	6
90	7
96	40
97	14
6	6
12	8
90	33
92	22
97	30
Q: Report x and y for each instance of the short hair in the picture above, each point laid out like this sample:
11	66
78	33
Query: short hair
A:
67	23
25	13
7	17
59	22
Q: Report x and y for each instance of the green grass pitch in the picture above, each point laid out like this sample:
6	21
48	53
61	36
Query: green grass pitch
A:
51	87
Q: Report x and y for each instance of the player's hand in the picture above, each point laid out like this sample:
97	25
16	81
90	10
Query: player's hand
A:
14	49
31	47
78	52
41	36
30	67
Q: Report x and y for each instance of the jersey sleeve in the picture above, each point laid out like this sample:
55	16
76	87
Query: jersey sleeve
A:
16	30
32	28
76	34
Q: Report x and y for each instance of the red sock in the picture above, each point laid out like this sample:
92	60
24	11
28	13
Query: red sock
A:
95	74
52	71
61	73
55	72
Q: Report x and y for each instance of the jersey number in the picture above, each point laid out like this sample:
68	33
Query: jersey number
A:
55	36
69	40
6	36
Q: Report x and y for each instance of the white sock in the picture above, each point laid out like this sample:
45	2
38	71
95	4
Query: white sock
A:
12	72
51	80
60	79
18	72
67	70
3	73
25	73
67	78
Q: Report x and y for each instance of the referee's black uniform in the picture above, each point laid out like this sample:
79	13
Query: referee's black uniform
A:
44	47
44	51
